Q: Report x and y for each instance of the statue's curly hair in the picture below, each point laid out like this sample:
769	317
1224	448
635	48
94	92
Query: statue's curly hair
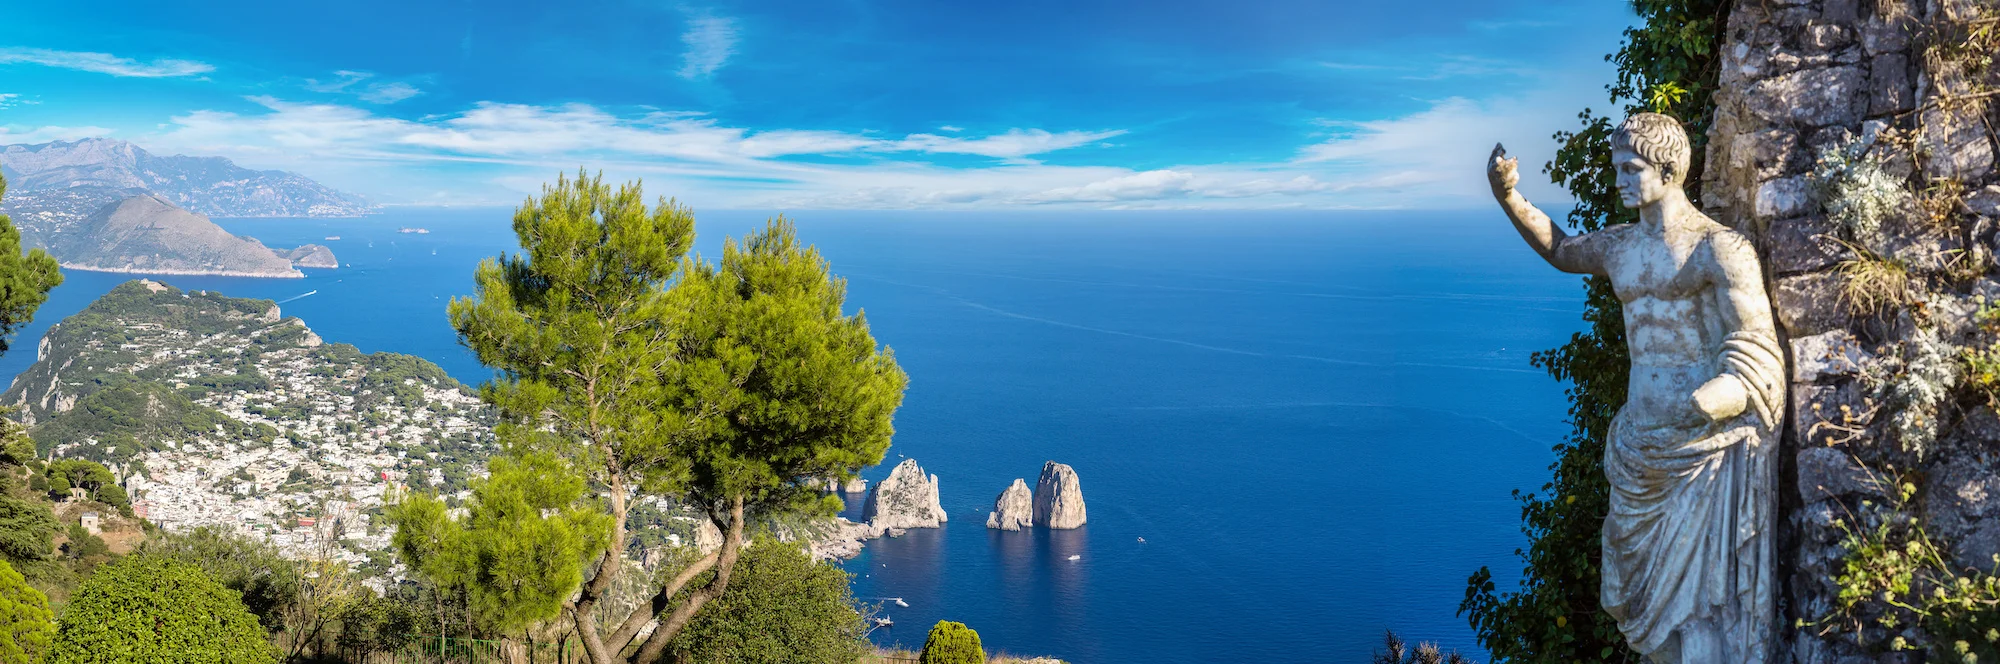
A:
1656	138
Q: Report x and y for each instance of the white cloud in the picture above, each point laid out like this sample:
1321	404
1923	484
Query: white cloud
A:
18	135
1150	185
1014	144
951	128
710	40
1441	151
9	99
352	82
496	152
390	93
103	63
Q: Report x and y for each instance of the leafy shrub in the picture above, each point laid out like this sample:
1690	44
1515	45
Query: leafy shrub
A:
1858	193
151	610
953	643
26	625
781	607
1394	651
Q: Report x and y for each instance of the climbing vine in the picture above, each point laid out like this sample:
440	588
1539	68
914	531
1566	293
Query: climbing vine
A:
1669	63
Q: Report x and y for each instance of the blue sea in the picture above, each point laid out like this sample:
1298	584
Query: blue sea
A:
1313	419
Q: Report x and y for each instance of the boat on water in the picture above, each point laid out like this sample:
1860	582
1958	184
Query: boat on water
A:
884	622
408	229
1076	557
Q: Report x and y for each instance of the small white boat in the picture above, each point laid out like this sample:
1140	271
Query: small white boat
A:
1076	557
884	622
1142	540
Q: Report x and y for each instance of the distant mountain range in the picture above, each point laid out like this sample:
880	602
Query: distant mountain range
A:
52	186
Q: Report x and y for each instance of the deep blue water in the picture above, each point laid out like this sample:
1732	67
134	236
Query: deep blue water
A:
1313	419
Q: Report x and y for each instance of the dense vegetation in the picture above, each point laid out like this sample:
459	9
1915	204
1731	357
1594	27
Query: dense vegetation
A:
151	610
629	373
783	608
26	626
1669	63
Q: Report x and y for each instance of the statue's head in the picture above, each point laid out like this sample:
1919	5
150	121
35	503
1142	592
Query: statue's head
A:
1651	154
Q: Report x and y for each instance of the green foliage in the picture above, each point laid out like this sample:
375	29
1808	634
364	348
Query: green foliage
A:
123	412
1859	194
1670	62
1892	560
25	279
26	626
521	549
783	608
802	389
150	610
952	643
83	546
90	476
267	582
27	529
727	388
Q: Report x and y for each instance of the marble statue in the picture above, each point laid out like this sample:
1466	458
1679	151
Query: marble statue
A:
1687	568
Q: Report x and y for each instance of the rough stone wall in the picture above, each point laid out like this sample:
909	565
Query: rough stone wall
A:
1799	76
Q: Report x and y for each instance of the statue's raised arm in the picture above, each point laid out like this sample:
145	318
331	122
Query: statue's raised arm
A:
1558	248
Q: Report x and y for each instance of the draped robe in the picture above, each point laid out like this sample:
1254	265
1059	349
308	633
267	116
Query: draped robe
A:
1687	565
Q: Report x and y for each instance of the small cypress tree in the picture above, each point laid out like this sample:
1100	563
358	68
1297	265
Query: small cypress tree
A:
953	643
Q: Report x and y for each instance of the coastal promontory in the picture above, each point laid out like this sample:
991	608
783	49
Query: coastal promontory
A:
147	234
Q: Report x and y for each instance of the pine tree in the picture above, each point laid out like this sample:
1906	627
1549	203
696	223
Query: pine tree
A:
952	643
26	626
25	279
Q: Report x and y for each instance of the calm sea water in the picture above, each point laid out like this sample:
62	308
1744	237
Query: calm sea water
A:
1312	419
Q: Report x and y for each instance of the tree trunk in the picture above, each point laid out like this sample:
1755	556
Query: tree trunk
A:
732	546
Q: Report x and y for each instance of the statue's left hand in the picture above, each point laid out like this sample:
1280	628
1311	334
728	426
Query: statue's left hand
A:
1502	172
1723	397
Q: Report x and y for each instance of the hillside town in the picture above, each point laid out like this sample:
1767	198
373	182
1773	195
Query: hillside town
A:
301	441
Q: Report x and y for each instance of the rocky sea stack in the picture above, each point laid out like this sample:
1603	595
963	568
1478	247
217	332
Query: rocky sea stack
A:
1014	509
1059	498
906	499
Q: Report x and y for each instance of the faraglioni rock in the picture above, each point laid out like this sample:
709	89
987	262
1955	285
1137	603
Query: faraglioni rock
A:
1014	509
1059	498
1688	539
906	499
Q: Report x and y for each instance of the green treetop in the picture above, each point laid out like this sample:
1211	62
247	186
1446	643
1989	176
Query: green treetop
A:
25	279
727	388
25	623
148	610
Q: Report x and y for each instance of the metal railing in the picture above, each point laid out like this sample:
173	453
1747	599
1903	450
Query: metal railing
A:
439	649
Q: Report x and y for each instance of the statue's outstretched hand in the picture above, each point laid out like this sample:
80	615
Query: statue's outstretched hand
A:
1502	172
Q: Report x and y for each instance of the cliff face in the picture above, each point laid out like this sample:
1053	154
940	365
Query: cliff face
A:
1014	509
147	234
1059	498
1852	142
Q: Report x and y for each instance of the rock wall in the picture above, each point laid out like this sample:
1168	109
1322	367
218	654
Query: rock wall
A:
1800	77
1014	509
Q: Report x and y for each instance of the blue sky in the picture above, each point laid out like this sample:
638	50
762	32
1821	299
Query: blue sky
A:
830	103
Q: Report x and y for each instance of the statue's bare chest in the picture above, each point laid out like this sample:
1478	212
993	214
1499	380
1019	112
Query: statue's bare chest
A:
1652	267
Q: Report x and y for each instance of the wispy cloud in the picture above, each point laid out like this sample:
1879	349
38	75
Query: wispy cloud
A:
362	86
1015	144
10	99
103	63
710	40
18	135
